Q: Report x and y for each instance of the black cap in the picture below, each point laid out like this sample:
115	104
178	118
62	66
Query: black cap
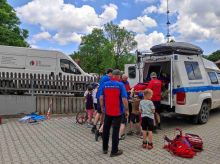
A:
109	70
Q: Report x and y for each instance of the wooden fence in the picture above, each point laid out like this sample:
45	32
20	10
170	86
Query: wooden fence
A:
59	104
43	84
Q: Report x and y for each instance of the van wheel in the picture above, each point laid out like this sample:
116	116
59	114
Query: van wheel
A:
204	113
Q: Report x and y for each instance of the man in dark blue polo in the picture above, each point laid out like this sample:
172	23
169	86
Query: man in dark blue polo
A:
113	101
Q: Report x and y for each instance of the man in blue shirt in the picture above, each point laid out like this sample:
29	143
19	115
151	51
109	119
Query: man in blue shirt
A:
114	103
104	78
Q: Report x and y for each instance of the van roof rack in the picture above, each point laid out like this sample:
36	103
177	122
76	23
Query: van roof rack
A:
182	48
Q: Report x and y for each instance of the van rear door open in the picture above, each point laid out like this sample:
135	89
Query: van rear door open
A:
133	74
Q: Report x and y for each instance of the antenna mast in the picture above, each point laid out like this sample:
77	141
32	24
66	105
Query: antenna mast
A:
168	23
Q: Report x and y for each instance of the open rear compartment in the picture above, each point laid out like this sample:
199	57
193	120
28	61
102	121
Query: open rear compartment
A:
163	70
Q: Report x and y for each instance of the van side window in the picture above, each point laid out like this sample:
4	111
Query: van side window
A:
68	67
213	77
132	72
193	71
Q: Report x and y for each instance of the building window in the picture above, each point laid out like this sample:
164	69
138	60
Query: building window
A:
193	71
132	72
213	77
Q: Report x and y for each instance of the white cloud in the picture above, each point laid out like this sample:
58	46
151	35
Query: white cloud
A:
150	9
197	20
41	36
60	17
34	46
64	38
138	25
110	13
145	42
146	1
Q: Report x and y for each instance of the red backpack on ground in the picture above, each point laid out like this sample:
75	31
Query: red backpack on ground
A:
184	146
195	141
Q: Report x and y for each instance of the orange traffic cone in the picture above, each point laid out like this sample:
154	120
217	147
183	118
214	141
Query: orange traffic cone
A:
48	112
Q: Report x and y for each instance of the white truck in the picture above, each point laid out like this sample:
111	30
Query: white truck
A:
22	60
191	84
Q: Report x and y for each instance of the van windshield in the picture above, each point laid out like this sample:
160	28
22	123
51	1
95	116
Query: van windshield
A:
68	67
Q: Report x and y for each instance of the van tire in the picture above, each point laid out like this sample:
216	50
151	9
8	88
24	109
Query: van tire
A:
203	115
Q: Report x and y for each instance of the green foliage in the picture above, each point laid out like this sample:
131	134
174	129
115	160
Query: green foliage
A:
94	52
215	56
10	33
121	39
108	48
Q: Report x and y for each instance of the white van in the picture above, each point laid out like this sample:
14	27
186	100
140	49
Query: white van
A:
28	60
191	84
50	69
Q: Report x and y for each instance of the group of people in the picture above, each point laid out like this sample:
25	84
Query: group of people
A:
116	103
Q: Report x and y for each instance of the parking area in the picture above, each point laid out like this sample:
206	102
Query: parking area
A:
61	140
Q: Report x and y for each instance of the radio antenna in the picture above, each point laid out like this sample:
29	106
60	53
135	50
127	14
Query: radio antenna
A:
168	23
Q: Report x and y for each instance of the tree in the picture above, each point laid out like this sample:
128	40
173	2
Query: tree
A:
108	48
122	40
10	33
95	52
215	56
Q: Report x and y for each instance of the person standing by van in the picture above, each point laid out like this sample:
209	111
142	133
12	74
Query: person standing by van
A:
155	85
114	103
124	80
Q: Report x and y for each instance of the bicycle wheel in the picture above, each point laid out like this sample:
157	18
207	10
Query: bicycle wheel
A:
81	117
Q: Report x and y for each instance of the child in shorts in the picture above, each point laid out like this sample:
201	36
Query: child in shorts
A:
147	110
89	105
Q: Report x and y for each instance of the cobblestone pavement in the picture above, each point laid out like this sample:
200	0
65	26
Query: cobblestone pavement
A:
61	140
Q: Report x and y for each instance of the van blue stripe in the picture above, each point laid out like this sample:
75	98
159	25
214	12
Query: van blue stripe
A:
196	89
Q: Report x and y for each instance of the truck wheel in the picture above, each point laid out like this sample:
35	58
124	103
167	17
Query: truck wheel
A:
204	113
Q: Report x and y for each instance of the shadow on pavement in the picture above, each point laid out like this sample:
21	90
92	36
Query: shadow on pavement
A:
173	120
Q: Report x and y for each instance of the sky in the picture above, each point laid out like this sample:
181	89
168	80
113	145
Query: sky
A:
60	24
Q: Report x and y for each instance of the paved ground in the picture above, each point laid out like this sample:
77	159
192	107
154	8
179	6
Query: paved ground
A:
60	140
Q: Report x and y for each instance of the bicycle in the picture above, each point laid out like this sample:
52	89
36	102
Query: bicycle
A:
81	117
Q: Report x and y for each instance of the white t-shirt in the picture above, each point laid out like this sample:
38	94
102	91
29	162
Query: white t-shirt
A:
85	94
147	107
94	92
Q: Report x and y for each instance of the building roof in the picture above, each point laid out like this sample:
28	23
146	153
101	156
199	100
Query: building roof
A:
217	62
